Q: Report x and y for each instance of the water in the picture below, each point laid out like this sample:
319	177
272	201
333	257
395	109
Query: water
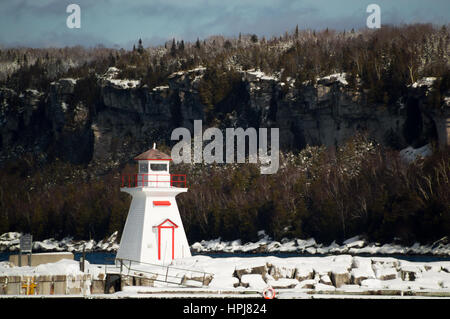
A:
102	258
107	258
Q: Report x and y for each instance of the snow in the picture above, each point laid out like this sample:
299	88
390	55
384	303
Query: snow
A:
371	283
336	77
282	283
254	281
110	78
160	88
410	154
306	284
292	275
354	242
385	273
124	83
62	267
259	75
427	81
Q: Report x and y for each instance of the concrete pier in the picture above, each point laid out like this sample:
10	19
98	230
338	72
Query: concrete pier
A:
41	258
48	285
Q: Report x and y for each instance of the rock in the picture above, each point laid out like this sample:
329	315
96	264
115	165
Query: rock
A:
127	114
362	269
306	284
303	272
326	280
197	247
354	242
340	277
282	271
258	269
344	261
386	262
360	274
409	272
386	273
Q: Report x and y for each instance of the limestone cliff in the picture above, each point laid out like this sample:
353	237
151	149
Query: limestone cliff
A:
126	117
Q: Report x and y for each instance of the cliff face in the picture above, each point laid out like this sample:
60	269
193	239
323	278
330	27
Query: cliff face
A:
126	118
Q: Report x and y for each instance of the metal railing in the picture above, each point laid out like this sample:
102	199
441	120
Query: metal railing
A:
158	272
153	180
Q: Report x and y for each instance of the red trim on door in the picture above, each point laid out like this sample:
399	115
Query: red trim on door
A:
171	225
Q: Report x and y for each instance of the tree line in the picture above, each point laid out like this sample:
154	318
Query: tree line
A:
358	189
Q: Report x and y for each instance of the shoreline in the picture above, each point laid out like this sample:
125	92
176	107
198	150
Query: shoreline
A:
355	246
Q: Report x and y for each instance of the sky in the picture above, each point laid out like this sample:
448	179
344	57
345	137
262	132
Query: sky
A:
119	23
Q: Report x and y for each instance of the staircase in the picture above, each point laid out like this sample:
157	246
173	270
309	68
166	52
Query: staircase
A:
135	273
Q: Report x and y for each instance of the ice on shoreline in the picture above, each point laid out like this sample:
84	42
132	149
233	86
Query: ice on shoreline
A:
354	246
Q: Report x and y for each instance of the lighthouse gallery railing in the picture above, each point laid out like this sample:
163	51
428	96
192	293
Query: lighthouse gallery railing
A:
153	180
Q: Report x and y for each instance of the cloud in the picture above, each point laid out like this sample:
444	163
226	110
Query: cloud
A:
42	23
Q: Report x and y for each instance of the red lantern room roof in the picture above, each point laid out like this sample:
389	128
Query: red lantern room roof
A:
153	154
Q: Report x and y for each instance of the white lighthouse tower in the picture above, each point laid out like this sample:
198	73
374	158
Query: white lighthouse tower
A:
153	231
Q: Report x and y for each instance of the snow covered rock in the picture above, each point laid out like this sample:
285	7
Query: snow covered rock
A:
385	262
303	272
344	261
282	283
326	280
282	270
409	272
9	241
47	245
254	281
306	284
302	245
360	274
372	283
426	81
362	269
108	244
385	273
340	276
356	241
333	78
256	268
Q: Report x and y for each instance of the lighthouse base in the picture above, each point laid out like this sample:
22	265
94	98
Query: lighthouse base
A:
153	231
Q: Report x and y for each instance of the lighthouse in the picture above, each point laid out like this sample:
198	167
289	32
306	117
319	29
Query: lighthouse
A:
153	231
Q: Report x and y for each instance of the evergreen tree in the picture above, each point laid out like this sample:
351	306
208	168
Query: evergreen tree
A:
181	46
173	48
140	47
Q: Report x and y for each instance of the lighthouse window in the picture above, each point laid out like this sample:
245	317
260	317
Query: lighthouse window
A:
158	167
143	168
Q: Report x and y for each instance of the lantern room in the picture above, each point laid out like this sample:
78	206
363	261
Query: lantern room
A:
153	171
153	162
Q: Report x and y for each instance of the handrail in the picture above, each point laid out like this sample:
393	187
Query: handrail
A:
153	180
127	264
